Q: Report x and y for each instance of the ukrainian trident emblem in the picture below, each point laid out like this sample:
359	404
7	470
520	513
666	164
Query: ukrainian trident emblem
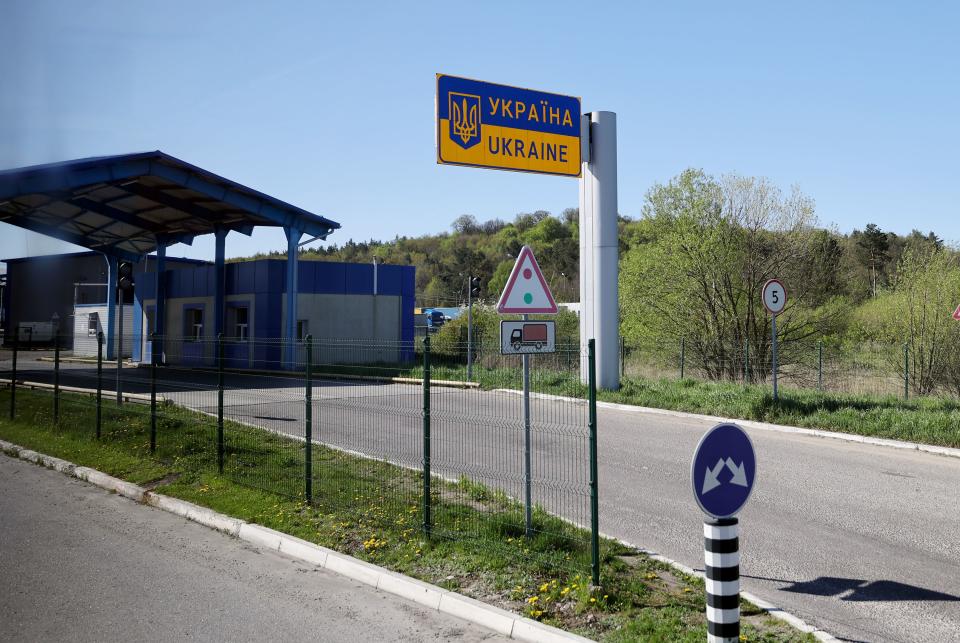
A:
464	119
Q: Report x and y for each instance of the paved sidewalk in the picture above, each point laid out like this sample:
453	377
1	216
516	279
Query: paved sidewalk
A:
77	563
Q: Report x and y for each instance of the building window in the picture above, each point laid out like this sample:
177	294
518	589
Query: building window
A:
93	324
303	328
193	331
238	323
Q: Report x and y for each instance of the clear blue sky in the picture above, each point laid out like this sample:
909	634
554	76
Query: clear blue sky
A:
329	105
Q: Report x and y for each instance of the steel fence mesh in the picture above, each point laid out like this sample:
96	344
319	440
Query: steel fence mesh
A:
366	409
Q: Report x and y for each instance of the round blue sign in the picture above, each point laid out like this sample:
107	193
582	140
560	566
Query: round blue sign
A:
723	471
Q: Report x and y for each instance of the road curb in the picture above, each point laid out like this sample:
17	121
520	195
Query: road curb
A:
755	424
140	398
770	608
446	601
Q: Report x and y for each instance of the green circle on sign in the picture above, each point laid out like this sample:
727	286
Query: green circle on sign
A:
527	298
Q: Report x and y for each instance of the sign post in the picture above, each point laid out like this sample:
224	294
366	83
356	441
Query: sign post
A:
526	292
487	125
723	473
774	300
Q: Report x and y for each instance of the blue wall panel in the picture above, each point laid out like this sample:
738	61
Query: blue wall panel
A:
409	281
277	280
137	326
265	281
359	279
246	277
146	287
333	279
210	282
307	276
389	279
261	277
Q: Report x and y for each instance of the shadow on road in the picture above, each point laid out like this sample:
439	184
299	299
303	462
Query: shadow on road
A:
860	590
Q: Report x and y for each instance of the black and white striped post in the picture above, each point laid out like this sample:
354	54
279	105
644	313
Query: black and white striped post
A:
723	472
721	550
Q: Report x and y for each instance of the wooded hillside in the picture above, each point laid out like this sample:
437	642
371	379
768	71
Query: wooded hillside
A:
693	263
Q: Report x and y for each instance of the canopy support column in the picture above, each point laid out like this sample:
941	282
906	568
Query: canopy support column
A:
293	239
160	307
219	303
111	306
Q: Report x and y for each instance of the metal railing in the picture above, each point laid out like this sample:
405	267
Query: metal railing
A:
865	368
392	428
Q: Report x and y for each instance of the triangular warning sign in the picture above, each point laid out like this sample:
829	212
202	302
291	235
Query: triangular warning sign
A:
526	290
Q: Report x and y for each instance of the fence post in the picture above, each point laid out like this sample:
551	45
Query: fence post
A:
99	382
683	354
13	376
746	362
906	371
623	357
308	423
820	365
153	395
427	522
56	379
594	493
220	446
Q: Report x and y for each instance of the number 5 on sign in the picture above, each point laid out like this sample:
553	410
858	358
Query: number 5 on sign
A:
774	296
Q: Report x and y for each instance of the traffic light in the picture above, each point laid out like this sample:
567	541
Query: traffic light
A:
475	287
125	276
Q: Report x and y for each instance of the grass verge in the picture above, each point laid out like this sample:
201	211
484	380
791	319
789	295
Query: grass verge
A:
371	510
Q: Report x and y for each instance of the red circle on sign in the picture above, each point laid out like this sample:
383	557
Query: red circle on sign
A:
527	273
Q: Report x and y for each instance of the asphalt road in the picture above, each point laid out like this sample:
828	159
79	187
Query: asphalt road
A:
861	541
80	564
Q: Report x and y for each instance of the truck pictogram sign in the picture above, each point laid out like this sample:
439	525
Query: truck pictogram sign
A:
519	337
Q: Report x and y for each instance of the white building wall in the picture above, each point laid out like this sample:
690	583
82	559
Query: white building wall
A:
85	344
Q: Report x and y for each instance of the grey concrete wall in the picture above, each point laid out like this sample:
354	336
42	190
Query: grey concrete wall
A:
85	345
359	329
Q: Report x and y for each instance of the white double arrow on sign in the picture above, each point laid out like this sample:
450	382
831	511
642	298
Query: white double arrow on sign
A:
739	478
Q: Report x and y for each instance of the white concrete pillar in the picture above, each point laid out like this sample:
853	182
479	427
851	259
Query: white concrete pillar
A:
599	251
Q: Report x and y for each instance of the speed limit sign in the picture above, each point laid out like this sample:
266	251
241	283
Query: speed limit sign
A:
774	296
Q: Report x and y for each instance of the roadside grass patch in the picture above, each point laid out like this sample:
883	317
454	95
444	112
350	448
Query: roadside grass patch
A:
372	510
931	420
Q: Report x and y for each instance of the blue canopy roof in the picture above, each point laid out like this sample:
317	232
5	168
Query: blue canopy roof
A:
128	205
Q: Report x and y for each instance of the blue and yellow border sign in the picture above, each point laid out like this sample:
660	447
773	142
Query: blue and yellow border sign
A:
482	124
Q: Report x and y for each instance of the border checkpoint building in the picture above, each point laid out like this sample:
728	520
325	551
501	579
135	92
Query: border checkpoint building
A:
122	208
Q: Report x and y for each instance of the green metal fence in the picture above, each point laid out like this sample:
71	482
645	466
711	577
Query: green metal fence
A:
868	368
390	430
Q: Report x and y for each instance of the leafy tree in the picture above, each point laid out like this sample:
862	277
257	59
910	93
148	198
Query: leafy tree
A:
713	245
917	312
873	247
465	224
